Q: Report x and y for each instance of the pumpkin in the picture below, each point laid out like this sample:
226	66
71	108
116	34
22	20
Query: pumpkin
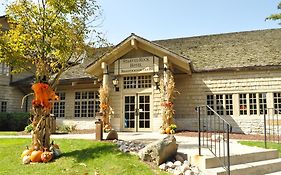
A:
168	129
55	145
26	152
26	159
46	156
172	131
36	156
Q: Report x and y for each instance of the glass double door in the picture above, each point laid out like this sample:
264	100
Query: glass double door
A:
137	112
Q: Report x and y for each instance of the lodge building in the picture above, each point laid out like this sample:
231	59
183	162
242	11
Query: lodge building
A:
236	74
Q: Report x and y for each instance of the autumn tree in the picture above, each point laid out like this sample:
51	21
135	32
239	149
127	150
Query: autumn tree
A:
46	37
277	16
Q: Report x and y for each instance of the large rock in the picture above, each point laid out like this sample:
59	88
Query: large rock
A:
112	135
160	151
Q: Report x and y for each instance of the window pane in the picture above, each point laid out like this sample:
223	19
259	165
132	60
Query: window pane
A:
228	104
277	102
59	106
253	104
210	103
243	104
219	104
86	104
263	105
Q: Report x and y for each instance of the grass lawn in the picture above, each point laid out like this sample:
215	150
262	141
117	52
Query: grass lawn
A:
270	145
79	157
8	133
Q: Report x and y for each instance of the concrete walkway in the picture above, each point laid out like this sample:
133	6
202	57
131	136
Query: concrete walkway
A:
187	145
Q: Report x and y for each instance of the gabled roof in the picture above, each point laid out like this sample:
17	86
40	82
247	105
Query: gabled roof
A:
135	42
259	49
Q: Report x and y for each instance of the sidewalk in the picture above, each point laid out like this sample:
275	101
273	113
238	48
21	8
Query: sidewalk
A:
187	145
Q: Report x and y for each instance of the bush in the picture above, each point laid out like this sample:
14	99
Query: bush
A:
13	121
28	128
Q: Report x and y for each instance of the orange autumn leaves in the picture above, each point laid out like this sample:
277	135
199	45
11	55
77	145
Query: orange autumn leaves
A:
43	94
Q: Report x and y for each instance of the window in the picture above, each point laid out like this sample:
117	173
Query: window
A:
256	103
144	81
222	104
4	69
86	104
228	104
243	104
3	106
253	104
262	103
277	101
219	104
131	82
210	103
59	106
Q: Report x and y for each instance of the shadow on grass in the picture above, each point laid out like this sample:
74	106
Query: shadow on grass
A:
94	152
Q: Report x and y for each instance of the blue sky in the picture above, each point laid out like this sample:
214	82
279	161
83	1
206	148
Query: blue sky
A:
155	19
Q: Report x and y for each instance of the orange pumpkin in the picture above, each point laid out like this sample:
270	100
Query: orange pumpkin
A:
36	156
168	129
46	156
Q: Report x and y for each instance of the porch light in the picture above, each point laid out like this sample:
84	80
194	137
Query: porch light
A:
115	82
156	80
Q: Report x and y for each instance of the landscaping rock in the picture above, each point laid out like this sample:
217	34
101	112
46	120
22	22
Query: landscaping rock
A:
160	151
170	164
177	163
112	135
163	167
177	172
181	157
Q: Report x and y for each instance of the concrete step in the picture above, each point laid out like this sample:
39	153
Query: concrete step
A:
252	168
205	162
275	173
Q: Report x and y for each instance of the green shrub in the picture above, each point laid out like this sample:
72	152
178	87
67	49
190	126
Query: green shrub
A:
15	121
66	128
28	128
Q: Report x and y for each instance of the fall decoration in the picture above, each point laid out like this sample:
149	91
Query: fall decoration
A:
167	90
26	159
36	156
26	152
46	156
105	109
43	94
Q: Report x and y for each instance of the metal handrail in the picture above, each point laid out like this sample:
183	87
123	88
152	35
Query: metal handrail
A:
271	131
219	147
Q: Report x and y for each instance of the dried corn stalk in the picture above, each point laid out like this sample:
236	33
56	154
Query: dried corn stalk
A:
168	95
105	109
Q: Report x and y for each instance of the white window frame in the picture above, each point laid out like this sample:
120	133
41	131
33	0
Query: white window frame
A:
137	82
87	105
59	106
218	102
254	103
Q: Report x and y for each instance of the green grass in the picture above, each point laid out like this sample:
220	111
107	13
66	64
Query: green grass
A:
79	157
270	145
8	133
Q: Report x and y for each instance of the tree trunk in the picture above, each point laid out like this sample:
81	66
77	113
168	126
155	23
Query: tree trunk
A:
41	128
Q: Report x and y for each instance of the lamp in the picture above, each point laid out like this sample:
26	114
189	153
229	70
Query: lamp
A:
156	80
115	82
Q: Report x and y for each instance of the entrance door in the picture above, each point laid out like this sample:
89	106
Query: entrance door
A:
137	112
